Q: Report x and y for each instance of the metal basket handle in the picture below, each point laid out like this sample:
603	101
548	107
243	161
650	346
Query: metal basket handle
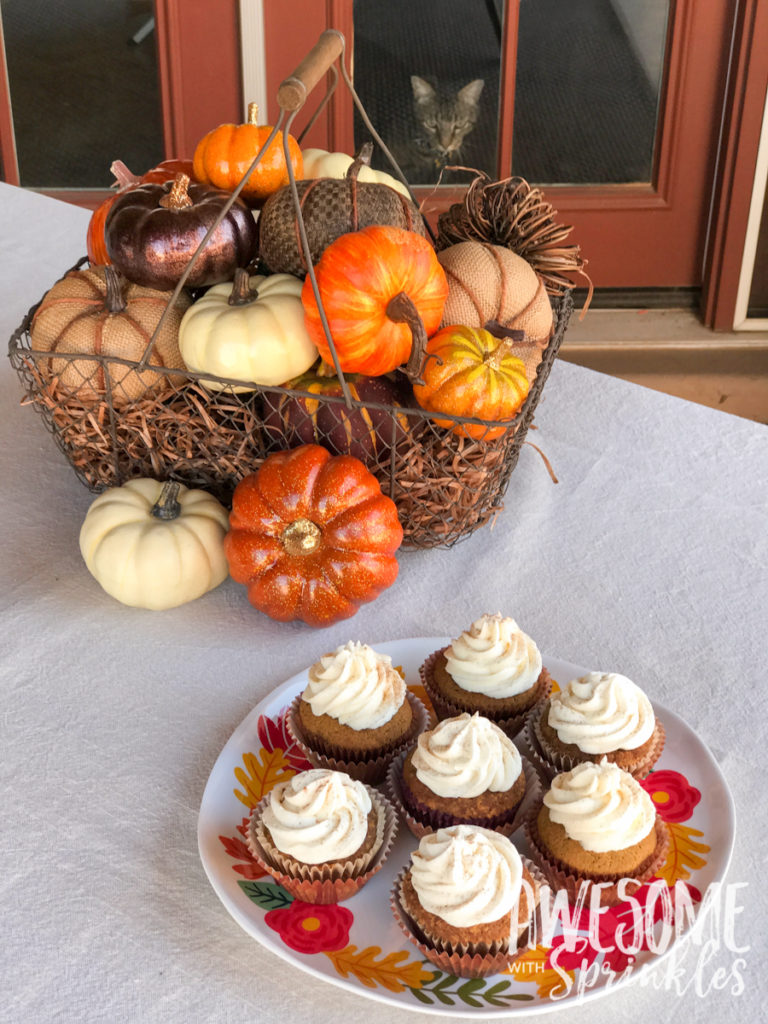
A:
293	91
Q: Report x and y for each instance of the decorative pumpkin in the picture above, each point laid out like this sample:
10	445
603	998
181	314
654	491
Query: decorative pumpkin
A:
155	545
470	372
224	155
96	245
330	207
319	163
492	284
252	330
153	231
367	433
377	287
312	536
97	312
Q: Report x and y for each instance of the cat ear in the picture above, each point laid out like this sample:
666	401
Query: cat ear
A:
422	90
471	93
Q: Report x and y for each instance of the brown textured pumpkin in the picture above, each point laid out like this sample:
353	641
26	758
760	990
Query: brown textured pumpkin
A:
98	312
492	284
330	207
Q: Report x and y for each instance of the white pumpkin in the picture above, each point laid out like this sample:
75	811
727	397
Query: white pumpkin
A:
155	545
260	337
319	163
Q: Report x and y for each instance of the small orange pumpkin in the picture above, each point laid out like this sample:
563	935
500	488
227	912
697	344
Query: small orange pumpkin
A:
471	372
312	536
375	285
224	155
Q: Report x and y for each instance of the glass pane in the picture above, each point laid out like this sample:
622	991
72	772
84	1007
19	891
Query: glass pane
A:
84	89
589	78
758	293
428	76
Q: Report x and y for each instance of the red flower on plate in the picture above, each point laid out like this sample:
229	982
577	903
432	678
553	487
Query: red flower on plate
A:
274	735
672	794
312	927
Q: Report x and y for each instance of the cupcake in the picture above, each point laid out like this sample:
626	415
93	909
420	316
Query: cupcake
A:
355	713
321	835
464	771
466	900
493	668
597	824
602	714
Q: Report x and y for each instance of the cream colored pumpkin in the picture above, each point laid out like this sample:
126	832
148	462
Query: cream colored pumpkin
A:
261	338
148	561
319	163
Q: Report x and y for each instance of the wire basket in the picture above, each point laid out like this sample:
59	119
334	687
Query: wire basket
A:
444	483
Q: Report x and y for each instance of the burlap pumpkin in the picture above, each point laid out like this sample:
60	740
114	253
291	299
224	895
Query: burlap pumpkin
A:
330	207
96	311
490	283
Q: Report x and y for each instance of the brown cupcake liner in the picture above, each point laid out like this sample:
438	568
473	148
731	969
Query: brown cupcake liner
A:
551	762
371	769
445	708
467	960
560	876
323	883
428	820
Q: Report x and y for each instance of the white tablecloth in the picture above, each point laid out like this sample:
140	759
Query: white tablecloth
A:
650	557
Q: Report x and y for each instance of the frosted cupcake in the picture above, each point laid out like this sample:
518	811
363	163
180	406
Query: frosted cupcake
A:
494	668
597	824
355	713
321	835
466	900
465	770
602	714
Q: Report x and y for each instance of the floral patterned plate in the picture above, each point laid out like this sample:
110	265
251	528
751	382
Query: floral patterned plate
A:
358	946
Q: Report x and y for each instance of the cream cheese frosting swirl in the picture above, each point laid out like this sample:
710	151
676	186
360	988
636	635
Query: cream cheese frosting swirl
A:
466	756
494	657
466	875
355	685
602	712
318	815
601	806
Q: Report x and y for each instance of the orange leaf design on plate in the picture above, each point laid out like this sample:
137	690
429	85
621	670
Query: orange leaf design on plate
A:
555	686
390	971
262	773
531	968
684	853
418	691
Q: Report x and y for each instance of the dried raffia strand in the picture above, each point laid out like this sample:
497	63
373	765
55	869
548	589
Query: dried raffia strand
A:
514	214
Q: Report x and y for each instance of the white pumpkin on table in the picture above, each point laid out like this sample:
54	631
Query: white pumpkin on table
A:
155	545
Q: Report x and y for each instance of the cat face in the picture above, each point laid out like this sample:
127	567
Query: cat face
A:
446	120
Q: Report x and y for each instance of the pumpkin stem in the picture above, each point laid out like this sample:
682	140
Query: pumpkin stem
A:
500	331
402	310
114	296
325	369
178	197
301	537
122	175
494	357
242	294
253	113
362	159
167	506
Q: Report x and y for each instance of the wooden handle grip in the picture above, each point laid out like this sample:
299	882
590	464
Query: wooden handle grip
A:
294	90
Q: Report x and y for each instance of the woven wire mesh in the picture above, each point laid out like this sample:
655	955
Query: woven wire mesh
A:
445	485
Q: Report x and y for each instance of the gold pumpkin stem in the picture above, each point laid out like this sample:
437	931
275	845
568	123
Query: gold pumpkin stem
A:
167	506
242	294
301	537
178	198
401	310
253	113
